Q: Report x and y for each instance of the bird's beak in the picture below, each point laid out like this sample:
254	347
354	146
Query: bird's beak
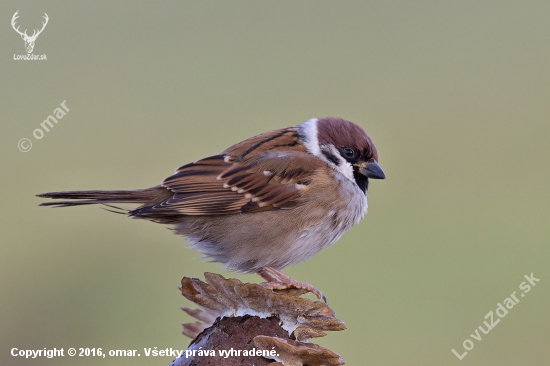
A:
371	169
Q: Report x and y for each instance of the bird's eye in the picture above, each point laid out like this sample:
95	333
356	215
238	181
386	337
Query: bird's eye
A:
348	152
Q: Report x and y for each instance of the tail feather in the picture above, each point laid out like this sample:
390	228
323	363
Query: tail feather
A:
139	196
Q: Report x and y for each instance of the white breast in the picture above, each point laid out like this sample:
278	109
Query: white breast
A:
335	221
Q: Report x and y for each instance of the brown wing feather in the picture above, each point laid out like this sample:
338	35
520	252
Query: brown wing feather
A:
266	172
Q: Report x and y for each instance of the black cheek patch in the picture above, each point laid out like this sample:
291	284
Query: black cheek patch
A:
331	157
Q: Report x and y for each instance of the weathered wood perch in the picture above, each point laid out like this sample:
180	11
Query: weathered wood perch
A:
246	324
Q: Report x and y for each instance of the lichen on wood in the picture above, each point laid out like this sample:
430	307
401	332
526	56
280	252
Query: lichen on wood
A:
245	324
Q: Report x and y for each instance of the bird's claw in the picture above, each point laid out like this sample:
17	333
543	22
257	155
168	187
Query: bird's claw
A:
279	281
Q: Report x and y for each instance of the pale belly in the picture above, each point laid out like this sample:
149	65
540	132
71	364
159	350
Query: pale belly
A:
279	238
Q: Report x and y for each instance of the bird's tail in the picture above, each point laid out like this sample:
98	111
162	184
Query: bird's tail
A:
139	196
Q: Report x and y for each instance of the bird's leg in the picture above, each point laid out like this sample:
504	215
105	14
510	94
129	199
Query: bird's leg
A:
277	280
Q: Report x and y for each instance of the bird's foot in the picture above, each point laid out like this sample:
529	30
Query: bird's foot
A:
277	280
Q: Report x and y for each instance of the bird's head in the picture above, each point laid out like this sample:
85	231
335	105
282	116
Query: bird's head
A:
345	147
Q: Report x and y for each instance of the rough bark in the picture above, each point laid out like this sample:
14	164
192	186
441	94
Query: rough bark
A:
246	324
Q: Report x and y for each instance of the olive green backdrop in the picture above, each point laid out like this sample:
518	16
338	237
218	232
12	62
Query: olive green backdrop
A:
455	95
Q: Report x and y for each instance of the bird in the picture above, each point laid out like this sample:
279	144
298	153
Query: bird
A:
263	204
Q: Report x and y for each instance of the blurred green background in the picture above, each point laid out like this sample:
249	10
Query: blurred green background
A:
455	95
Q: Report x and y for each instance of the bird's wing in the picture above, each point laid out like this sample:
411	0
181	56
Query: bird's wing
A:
267	172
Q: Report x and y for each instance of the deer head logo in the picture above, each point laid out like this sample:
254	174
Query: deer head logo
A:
29	41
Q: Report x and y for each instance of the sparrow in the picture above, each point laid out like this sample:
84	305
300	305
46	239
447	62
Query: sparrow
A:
268	202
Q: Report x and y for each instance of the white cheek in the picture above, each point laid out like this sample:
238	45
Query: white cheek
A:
308	131
347	170
344	167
